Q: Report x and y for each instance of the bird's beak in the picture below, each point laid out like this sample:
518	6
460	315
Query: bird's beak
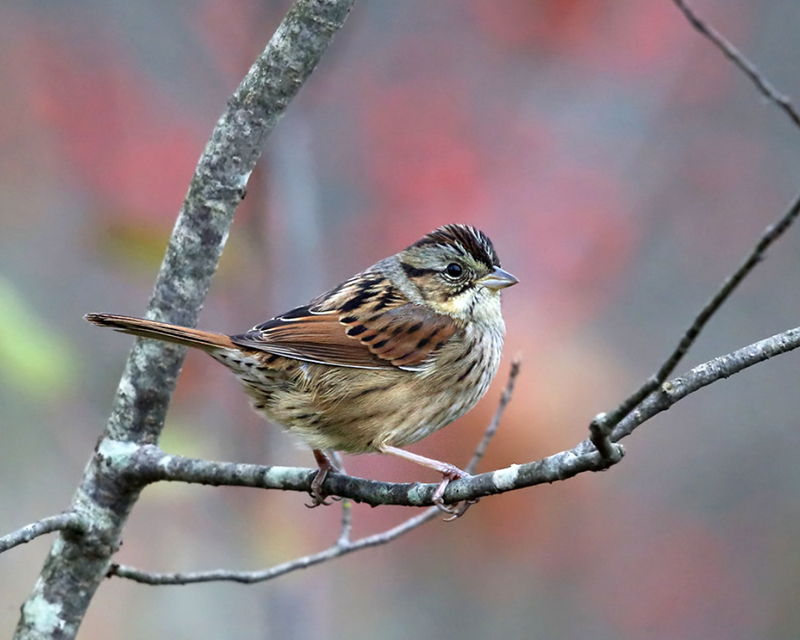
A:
498	279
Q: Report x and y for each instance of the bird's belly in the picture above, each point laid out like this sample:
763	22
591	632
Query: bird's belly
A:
362	410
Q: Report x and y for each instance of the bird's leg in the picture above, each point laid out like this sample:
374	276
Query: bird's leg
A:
325	465
449	473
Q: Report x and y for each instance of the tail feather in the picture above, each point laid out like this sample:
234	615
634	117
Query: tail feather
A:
205	340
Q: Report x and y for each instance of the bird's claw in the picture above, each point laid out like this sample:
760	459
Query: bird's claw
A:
317	496
460	508
317	500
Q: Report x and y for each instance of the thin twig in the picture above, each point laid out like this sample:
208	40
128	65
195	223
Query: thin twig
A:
483	445
461	508
249	577
346	525
705	374
63	521
343	544
602	426
734	55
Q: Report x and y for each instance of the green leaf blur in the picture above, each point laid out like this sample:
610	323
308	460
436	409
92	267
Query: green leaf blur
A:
34	359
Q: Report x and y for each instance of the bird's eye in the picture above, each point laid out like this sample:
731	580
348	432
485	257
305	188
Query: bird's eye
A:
454	270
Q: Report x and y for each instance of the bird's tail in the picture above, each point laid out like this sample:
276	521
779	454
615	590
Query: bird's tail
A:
204	340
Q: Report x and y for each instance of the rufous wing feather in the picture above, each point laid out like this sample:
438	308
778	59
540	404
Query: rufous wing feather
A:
366	323
405	336
311	338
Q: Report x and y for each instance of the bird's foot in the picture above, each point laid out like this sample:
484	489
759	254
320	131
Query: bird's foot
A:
450	473
317	495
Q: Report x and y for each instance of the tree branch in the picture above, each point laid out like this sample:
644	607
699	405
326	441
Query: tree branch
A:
77	564
249	577
706	374
68	521
742	63
491	430
146	464
603	425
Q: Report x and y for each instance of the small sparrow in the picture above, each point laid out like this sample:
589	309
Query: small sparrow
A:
379	362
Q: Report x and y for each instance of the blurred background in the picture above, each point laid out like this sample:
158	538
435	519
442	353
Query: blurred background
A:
622	168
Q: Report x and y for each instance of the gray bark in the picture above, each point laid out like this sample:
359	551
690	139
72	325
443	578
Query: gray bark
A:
79	561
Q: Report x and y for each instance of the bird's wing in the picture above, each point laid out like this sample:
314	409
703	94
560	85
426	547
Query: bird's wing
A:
365	323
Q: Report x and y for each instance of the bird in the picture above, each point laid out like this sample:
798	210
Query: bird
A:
380	361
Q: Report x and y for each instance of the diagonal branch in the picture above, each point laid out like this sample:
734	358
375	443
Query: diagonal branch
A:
491	430
603	425
706	374
743	64
77	564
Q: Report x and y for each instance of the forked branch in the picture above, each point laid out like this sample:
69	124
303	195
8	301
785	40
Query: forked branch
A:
603	425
